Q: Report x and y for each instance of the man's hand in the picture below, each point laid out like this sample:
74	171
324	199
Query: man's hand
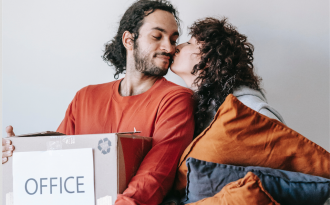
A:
7	147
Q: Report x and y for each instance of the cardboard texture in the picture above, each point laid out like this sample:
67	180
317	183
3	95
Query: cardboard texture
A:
116	159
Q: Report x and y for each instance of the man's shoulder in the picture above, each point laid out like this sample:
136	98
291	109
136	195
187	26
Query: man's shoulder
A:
168	87
174	97
97	88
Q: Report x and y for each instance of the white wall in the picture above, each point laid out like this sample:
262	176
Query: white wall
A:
51	49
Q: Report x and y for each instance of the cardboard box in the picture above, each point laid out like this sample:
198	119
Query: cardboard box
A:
116	159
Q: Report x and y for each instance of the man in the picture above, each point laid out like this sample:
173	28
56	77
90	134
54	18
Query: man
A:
143	48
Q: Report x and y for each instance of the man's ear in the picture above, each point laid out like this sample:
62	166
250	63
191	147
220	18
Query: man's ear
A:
128	40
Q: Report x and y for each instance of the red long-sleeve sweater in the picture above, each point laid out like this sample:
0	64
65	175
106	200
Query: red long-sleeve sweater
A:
164	112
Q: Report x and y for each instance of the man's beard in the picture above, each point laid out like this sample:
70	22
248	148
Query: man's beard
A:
146	66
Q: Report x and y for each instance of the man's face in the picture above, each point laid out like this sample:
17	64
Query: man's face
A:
155	46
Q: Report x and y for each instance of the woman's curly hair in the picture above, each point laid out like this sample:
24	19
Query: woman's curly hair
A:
132	20
226	64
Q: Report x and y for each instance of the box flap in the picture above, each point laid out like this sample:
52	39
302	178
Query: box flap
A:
129	132
45	133
52	133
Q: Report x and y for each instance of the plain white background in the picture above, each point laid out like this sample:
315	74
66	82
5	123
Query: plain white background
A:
51	49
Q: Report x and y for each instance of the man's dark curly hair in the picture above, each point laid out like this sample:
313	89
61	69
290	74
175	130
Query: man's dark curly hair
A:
132	20
226	64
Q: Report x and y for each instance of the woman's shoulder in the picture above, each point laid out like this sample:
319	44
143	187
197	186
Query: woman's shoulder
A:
256	100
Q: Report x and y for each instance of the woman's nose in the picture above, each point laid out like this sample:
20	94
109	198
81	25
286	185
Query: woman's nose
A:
177	49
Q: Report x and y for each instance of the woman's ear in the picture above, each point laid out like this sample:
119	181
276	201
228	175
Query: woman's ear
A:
128	41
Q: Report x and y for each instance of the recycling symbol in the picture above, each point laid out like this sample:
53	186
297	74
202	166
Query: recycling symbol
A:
104	145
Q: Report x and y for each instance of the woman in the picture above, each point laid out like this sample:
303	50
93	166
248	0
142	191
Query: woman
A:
216	62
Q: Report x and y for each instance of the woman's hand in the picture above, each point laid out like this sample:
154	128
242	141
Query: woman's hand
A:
7	147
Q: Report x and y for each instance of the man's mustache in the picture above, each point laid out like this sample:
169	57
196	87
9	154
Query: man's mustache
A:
164	54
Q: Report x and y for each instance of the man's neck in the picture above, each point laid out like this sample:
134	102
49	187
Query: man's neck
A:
136	83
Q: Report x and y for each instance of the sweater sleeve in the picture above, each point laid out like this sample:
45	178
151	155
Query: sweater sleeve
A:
174	127
67	125
268	113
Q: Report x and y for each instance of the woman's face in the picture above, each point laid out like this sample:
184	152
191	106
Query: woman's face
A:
186	56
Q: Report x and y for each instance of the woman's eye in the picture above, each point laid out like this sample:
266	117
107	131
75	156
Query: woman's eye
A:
173	42
188	43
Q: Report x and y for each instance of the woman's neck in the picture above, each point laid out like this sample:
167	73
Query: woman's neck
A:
189	80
